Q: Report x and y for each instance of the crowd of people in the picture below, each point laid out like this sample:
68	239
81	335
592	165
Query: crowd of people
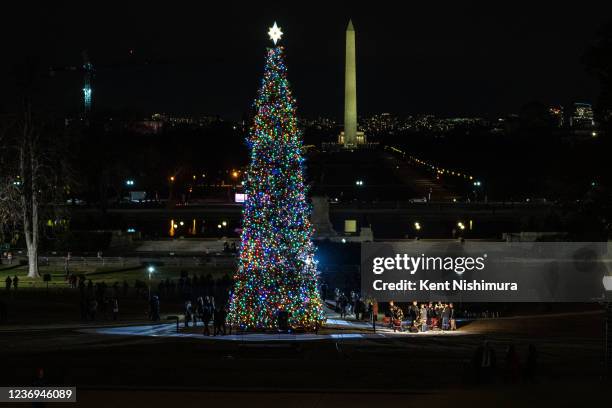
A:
205	310
95	300
424	317
101	301
354	304
204	299
231	249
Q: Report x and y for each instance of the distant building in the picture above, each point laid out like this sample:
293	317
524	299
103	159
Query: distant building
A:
319	123
185	120
146	127
556	114
582	116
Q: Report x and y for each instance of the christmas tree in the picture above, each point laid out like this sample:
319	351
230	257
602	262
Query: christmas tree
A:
277	274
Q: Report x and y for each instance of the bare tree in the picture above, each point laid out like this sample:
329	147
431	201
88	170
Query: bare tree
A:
30	181
34	177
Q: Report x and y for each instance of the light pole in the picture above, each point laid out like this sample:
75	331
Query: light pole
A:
460	230
477	185
171	180
150	270
417	228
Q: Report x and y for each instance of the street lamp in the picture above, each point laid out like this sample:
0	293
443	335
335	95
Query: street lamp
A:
477	185
417	228
150	269
171	187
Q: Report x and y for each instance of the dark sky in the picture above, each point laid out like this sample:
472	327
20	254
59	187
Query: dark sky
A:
447	58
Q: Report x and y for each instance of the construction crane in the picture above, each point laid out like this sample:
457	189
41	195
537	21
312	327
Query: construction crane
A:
87	71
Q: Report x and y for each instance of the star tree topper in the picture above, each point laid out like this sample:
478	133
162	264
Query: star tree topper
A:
275	33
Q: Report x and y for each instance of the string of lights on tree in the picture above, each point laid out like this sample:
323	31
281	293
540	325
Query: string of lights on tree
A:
276	271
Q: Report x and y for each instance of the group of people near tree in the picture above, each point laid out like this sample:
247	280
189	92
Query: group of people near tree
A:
95	300
14	282
353	304
205	310
424	317
227	248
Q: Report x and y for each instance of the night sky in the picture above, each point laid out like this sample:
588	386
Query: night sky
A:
446	58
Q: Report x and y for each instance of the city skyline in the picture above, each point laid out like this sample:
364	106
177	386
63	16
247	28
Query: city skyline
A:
148	63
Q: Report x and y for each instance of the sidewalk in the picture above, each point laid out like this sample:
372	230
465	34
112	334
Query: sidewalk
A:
344	330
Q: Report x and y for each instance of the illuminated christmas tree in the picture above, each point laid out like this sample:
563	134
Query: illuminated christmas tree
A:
277	273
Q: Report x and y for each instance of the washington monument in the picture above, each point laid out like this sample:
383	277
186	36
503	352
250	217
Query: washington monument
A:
350	137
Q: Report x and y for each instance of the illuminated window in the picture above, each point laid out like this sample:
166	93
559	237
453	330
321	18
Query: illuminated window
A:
350	226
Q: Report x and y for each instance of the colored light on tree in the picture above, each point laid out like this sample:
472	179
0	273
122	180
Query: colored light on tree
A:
277	270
